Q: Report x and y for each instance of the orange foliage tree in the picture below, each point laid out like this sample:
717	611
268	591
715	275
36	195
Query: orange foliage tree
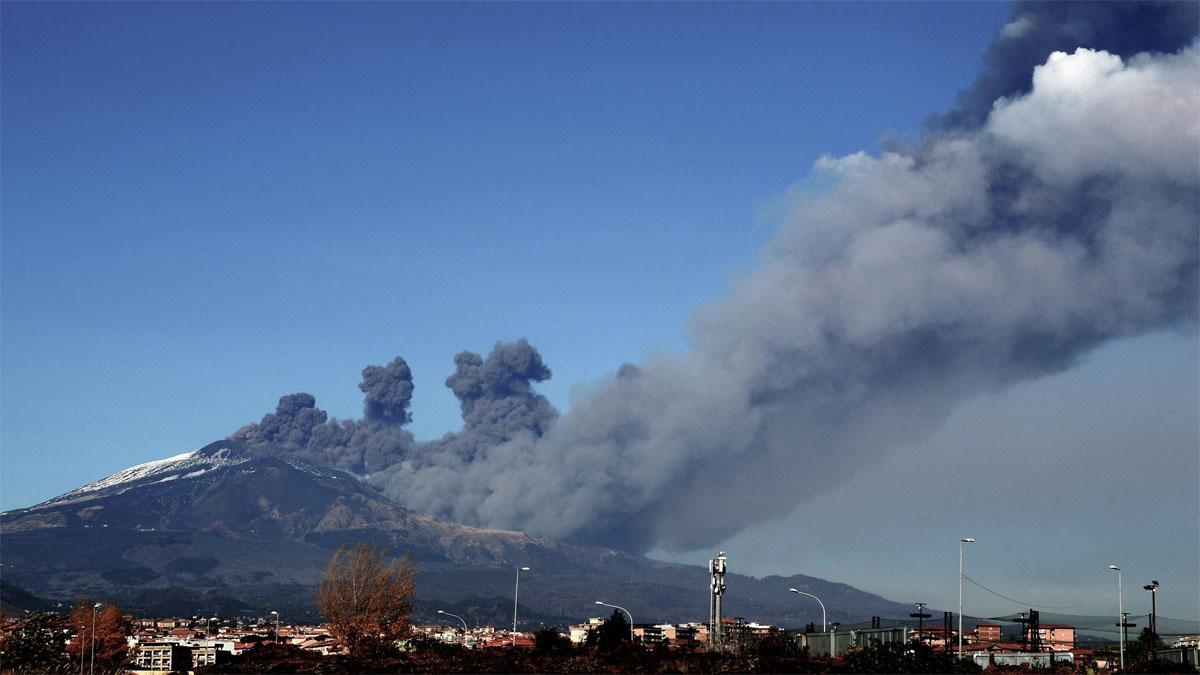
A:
367	599
112	650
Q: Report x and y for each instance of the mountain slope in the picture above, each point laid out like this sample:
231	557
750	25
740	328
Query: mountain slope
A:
225	530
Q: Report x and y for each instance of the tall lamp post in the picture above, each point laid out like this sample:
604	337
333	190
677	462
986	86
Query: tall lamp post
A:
516	593
464	623
1120	611
961	543
626	614
92	667
1152	587
824	626
276	626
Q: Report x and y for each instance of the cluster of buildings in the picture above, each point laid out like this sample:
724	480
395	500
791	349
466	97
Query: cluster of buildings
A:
481	637
181	644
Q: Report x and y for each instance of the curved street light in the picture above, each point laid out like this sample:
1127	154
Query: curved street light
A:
626	614
1120	611
516	593
961	542
464	623
824	626
92	667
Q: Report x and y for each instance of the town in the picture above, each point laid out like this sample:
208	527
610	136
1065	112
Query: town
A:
367	601
178	644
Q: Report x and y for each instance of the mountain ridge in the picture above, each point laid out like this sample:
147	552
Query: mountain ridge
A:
243	532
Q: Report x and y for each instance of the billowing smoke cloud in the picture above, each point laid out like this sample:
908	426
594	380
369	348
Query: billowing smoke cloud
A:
1041	28
389	390
496	395
996	251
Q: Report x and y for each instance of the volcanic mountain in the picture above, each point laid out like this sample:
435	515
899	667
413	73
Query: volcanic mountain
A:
226	530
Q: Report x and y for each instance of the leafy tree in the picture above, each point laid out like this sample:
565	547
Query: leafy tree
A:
775	652
550	640
913	657
35	645
1140	655
611	633
112	626
367	600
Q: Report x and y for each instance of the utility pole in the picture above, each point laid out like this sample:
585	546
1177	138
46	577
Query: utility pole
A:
1152	587
1124	626
920	616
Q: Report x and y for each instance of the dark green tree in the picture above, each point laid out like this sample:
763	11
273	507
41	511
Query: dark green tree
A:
1141	657
35	645
611	633
550	640
913	657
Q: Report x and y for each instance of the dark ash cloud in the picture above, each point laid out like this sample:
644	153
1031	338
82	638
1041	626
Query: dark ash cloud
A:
388	392
1048	213
1039	28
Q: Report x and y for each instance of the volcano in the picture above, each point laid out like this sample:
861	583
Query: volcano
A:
229	531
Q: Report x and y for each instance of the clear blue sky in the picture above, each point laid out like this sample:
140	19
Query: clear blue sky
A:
208	206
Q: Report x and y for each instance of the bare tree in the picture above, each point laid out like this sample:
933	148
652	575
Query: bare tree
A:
367	599
101	638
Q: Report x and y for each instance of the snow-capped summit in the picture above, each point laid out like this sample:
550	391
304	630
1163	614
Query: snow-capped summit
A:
184	465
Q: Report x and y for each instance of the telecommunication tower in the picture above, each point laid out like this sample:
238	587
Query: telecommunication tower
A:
716	569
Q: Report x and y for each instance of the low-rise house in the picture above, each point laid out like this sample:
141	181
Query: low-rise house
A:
579	631
207	656
163	656
988	632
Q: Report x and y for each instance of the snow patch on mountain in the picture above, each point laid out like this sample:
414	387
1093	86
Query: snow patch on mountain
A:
184	465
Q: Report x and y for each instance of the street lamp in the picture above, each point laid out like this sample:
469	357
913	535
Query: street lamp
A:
276	626
92	667
824	626
1152	587
961	543
464	623
1120	611
516	593
626	614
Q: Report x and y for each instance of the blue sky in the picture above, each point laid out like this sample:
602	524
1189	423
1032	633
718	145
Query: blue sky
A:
208	206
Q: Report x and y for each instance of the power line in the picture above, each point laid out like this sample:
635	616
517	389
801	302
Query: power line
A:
1022	603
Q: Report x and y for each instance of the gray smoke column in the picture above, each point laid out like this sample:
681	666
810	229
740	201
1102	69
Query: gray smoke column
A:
388	392
1055	208
496	395
298	428
900	286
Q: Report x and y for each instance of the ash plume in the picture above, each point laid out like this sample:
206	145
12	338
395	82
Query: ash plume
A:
389	390
1040	28
1019	234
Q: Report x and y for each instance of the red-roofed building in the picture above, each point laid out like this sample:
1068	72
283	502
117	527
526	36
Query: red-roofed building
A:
988	632
1056	637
